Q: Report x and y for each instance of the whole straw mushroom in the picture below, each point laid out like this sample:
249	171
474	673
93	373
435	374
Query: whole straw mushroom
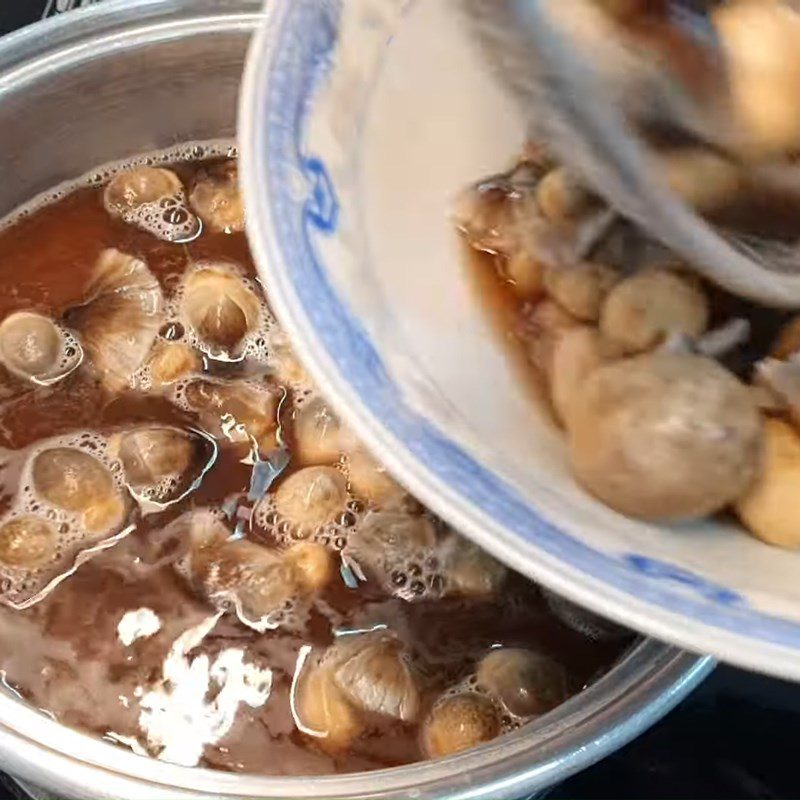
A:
665	436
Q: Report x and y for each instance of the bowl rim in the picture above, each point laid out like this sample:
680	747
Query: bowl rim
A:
646	684
657	598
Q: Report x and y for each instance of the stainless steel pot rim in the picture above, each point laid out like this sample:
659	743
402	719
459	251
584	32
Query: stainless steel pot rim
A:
647	683
650	681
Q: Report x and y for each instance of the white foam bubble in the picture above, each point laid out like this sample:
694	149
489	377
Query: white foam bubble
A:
19	584
192	151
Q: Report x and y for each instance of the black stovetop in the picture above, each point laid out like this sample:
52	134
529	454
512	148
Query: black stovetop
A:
735	738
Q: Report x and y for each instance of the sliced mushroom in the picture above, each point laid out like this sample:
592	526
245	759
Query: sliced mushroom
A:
216	198
663	436
782	381
121	319
311	498
526	683
152	199
76	482
219	307
36	349
458	723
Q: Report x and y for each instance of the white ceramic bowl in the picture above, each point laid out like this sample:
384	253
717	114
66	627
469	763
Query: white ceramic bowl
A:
359	121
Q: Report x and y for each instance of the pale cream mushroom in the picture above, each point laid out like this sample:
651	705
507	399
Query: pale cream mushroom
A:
645	309
458	723
760	40
27	542
581	288
576	354
770	509
152	199
526	683
311	498
561	197
76	482
665	437
546	324
373	673
216	198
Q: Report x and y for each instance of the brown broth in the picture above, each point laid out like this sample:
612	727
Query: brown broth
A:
64	655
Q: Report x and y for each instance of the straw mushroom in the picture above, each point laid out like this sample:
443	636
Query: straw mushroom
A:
770	510
459	722
646	308
311	498
576	354
665	436
373	673
580	288
526	683
27	542
761	42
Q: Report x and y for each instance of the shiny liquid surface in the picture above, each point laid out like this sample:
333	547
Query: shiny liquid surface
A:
69	654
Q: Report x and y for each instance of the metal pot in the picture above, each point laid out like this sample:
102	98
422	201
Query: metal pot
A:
126	77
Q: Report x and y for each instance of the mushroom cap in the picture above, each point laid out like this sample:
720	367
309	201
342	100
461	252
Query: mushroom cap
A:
770	509
27	542
372	672
311	498
216	198
459	722
646	308
665	436
76	482
527	683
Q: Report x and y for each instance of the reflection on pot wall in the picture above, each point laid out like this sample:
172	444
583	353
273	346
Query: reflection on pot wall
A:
54	7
